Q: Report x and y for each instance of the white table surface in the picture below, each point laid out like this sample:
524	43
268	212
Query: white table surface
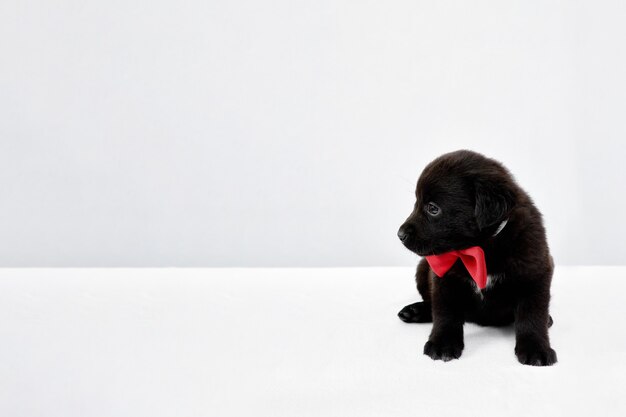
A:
289	342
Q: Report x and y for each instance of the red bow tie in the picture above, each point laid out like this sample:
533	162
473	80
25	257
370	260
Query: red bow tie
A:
473	258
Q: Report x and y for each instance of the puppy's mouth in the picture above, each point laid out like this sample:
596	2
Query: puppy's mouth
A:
430	252
422	250
426	248
439	251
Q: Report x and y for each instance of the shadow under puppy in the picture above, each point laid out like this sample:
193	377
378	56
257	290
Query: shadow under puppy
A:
486	258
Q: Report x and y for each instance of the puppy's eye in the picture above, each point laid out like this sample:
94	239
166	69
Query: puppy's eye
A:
433	209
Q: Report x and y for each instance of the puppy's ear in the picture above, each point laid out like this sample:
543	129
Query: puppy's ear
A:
493	203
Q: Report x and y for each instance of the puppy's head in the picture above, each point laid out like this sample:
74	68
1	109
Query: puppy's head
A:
461	199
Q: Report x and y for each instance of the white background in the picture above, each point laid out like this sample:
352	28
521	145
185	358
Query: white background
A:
287	133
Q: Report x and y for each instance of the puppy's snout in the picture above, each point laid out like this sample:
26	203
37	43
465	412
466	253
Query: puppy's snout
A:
405	232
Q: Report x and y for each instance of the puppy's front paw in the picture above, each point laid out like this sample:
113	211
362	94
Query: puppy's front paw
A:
416	313
536	354
444	349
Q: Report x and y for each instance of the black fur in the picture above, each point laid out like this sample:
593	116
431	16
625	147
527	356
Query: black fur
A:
475	194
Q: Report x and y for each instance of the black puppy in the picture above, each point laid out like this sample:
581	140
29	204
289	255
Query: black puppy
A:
465	200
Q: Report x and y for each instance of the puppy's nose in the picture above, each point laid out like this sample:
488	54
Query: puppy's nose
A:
405	232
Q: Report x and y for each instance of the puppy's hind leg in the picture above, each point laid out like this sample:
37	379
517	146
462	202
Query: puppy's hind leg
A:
420	312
